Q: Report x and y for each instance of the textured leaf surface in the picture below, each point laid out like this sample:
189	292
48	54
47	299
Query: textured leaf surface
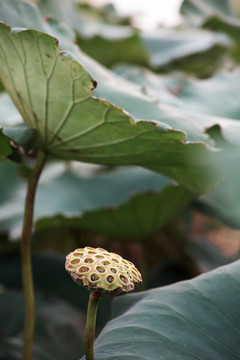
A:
86	128
196	319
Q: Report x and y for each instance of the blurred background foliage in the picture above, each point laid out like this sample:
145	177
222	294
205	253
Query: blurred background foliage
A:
170	233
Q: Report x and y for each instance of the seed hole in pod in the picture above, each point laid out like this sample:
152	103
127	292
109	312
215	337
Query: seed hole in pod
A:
99	257
89	248
75	261
120	268
123	279
113	270
101	249
129	275
126	267
105	263
115	260
77	254
100	269
92	252
94	277
106	254
124	261
88	261
110	279
83	269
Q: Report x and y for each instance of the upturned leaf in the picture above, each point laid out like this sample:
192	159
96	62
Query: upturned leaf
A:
53	93
196	319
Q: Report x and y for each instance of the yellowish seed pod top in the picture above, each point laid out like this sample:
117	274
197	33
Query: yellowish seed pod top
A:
102	271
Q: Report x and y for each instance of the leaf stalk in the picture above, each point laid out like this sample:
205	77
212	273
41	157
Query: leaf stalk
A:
26	261
91	324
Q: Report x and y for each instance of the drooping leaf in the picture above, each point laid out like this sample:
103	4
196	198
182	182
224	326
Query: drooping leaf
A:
138	219
85	193
196	319
82	127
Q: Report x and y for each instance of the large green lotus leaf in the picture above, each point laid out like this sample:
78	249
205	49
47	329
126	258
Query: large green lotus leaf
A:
90	129
139	218
85	193
110	87
196	319
59	328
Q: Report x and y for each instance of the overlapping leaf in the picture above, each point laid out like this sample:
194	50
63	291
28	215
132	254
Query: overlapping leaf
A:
196	319
53	94
214	103
109	43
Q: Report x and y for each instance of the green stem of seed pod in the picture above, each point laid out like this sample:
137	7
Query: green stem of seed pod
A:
91	324
29	306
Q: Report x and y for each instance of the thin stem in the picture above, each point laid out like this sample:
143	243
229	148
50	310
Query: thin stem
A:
91	324
29	306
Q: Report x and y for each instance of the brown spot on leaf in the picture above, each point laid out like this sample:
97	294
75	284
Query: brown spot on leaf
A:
94	82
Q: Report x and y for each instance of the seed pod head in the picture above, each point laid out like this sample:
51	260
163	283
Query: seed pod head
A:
102	271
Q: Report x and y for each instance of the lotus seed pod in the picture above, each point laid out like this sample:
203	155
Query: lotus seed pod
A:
102	271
